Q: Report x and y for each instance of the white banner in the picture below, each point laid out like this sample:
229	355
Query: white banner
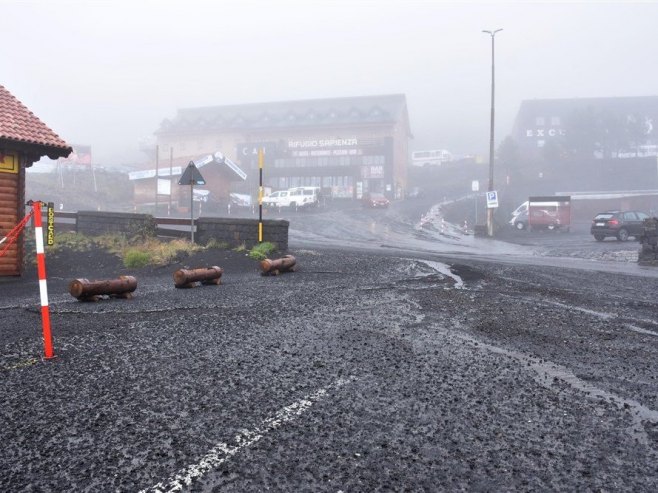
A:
164	187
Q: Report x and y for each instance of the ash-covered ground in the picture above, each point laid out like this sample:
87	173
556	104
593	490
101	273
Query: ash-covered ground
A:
379	369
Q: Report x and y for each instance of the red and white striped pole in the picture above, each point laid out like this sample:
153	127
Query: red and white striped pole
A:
43	287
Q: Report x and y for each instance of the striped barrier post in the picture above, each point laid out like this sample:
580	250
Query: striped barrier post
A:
43	288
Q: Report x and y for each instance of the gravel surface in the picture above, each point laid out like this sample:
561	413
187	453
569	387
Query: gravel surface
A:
362	371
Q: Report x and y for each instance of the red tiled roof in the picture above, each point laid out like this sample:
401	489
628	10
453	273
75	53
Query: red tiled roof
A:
19	124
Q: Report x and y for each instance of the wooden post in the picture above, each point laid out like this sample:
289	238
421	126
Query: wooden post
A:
186	278
287	263
85	290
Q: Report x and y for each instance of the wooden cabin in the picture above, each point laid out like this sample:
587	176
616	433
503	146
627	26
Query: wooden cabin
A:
24	139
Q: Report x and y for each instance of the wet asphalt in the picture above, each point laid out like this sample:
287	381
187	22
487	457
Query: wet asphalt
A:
366	370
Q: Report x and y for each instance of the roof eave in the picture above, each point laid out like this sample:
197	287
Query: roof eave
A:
40	150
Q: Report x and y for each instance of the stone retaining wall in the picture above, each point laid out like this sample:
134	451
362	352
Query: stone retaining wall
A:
235	232
98	223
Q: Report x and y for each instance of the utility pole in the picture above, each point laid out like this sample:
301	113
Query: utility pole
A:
157	178
491	134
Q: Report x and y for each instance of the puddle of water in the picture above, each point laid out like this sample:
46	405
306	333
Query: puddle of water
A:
443	269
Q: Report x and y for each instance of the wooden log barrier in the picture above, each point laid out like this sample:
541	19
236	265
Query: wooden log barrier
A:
187	278
270	267
85	290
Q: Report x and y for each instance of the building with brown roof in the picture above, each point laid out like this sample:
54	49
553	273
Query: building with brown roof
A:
347	146
24	139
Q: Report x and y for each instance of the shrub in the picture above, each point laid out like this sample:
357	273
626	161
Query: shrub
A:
262	250
219	245
135	258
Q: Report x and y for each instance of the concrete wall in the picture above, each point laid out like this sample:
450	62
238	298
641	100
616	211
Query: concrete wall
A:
97	223
238	231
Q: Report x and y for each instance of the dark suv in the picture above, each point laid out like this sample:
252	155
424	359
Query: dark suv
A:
620	224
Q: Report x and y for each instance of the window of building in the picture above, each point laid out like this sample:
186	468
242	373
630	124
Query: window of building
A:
539	121
555	121
541	143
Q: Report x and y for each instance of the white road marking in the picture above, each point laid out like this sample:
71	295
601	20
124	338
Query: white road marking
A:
222	452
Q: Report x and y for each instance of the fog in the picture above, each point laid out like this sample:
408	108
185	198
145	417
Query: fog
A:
106	73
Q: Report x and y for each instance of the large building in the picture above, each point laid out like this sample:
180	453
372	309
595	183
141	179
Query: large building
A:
600	128
347	146
590	144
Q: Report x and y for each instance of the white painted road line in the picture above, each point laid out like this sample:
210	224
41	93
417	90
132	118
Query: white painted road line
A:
221	452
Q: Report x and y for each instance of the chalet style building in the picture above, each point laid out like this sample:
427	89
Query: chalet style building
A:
24	139
347	146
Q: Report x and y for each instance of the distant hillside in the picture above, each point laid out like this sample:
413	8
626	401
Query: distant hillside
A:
75	190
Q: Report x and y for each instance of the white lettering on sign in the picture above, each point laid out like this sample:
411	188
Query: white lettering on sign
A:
246	150
540	132
294	144
376	171
492	199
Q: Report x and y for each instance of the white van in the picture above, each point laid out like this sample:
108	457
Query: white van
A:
305	197
520	209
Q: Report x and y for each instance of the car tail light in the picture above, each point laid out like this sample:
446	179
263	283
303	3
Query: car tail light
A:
613	222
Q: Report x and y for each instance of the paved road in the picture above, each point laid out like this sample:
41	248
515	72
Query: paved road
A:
395	368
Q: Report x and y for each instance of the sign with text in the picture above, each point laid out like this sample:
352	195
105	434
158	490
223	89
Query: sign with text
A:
492	199
50	224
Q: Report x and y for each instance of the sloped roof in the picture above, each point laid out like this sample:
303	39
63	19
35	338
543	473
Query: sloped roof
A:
619	106
20	125
302	113
217	158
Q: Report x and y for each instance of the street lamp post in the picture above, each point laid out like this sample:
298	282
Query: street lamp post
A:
491	135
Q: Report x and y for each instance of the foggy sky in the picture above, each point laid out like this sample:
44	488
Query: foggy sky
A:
106	73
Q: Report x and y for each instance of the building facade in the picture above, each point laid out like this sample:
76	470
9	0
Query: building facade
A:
24	139
599	128
346	146
590	144
172	198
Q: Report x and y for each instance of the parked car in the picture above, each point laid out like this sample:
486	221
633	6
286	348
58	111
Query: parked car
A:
304	197
277	199
375	200
620	224
541	220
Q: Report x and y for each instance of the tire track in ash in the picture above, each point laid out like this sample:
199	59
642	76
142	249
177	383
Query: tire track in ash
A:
629	323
